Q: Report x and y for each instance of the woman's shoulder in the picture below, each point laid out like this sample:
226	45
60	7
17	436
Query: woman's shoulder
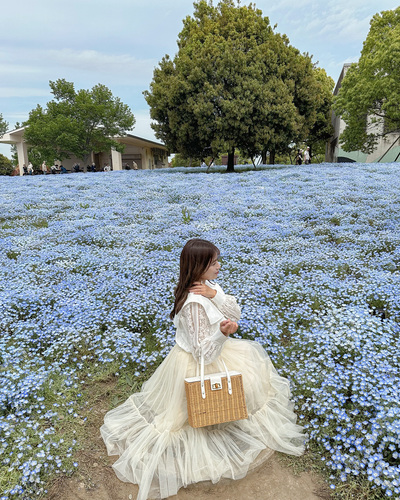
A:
213	313
194	298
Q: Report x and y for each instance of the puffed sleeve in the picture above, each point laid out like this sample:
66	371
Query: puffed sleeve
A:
199	333
226	304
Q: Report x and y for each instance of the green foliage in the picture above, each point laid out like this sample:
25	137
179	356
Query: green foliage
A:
6	167
77	122
11	254
235	83
40	223
37	155
322	129
180	161
368	100
3	126
186	217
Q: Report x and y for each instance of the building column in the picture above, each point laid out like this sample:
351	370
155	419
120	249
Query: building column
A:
22	152
116	159
147	159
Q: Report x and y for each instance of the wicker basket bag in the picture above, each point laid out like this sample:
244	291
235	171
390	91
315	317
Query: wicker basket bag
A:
215	398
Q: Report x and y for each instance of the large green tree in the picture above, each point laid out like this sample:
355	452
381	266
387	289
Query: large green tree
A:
75	123
233	83
3	126
321	129
369	97
6	167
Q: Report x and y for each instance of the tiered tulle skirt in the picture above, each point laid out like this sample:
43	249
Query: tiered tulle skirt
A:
160	452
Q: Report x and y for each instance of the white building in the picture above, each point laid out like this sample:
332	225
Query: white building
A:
386	151
146	154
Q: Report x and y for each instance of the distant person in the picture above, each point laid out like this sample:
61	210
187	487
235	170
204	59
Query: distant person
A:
307	156
44	168
63	169
25	169
134	165
53	169
299	157
30	168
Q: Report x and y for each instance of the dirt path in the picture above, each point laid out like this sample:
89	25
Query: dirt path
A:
272	481
96	480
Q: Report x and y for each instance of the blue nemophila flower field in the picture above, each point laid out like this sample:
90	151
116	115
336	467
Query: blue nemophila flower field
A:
88	267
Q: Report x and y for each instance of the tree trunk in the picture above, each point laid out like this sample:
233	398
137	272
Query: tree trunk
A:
272	157
264	157
231	161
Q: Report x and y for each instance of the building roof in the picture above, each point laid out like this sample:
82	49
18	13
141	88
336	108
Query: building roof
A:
346	66
139	141
14	136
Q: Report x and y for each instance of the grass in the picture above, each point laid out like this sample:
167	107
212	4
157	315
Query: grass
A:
100	394
98	398
40	223
352	489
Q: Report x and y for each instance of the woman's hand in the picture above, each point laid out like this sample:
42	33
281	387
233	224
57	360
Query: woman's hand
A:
200	288
227	327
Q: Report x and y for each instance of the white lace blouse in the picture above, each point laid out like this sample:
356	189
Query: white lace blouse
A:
197	323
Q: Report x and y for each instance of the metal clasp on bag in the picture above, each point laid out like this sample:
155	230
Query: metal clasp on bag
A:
217	380
216	383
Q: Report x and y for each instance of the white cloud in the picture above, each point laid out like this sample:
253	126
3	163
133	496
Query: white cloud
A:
7	92
142	126
17	69
39	64
342	26
123	67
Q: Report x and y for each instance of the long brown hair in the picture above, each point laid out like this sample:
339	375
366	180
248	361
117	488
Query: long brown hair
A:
196	257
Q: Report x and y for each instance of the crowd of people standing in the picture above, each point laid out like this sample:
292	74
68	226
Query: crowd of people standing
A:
44	169
58	168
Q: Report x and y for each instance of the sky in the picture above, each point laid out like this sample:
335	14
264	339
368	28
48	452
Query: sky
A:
119	43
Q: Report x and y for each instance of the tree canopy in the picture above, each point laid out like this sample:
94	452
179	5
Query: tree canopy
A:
234	82
6	167
3	126
75	123
369	97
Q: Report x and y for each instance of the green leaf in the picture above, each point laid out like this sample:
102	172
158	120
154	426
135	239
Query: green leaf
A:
75	123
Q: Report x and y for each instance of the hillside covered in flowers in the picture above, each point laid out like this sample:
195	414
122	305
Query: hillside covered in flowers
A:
88	267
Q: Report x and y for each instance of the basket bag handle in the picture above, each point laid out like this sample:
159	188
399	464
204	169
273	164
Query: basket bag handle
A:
228	376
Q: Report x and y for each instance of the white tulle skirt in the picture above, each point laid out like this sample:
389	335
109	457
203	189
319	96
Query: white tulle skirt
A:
159	451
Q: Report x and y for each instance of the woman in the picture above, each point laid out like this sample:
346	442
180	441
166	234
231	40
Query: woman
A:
157	448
